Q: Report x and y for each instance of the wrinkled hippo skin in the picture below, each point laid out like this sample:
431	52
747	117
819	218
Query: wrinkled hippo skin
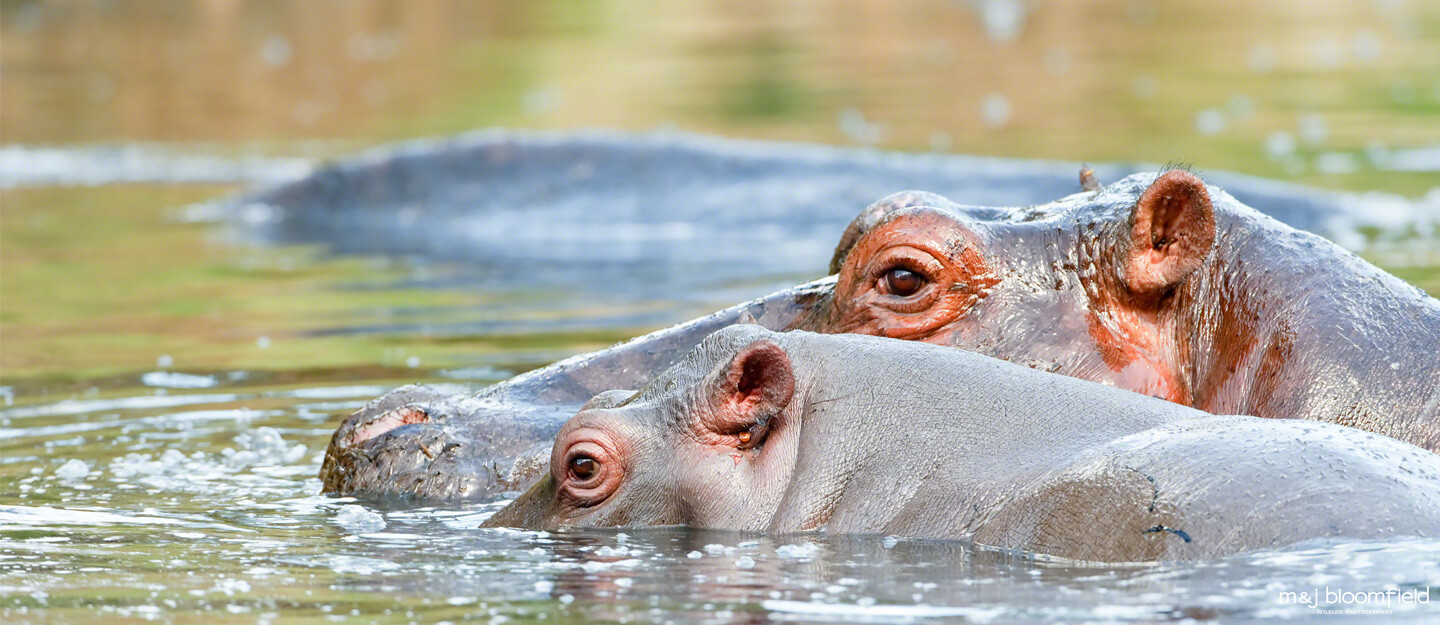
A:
789	432
1156	284
423	444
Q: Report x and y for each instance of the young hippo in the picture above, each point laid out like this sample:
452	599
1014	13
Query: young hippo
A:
1156	284
768	432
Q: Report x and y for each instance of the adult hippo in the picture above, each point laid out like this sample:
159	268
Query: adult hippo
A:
1157	284
760	431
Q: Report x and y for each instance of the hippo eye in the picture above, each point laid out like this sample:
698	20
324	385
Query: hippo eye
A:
902	282
583	467
745	437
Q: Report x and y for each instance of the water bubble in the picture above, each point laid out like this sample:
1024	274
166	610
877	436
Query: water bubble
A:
263	342
1313	129
1328	53
940	141
1210	121
361	46
275	51
940	53
164	361
1262	58
804	550
412	362
359	520
1240	106
745	562
1280	144
995	110
170	379
1337	163
1377	153
1057	61
73	469
101	89
1145	87
1001	19
1367	46
854	125
375	93
540	101
694	555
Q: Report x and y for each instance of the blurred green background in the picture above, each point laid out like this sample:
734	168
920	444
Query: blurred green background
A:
95	281
1321	92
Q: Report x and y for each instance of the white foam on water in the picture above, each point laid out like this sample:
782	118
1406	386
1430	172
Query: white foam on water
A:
878	612
170	379
357	519
30	517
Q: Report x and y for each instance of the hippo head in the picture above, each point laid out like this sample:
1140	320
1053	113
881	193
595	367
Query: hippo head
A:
1084	286
709	443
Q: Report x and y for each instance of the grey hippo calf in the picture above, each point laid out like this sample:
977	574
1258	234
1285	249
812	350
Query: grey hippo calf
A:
789	432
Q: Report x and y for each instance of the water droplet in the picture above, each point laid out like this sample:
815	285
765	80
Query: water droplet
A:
275	51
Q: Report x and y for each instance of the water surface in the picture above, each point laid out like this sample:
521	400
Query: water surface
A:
167	387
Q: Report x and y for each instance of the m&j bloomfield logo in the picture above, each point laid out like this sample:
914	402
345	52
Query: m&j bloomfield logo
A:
1382	600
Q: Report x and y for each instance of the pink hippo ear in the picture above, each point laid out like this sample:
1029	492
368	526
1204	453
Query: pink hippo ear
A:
1172	233
757	386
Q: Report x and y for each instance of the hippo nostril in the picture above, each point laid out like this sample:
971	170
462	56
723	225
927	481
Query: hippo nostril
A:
387	421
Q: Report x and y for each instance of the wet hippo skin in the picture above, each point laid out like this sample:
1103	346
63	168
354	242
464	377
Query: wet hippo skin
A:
791	432
1156	284
421	443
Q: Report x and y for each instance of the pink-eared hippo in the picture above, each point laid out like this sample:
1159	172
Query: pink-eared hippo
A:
1156	284
760	431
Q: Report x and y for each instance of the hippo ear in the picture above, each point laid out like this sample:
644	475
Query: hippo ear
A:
759	382
1172	231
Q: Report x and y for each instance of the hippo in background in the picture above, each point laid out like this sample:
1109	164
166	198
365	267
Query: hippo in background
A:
1156	283
760	431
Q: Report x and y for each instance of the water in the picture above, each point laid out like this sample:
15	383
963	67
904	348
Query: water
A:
202	504
167	474
170	372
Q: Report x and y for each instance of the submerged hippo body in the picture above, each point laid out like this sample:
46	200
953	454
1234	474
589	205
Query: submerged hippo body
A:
770	432
1156	284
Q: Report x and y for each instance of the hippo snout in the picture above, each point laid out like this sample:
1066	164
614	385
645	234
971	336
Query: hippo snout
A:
410	445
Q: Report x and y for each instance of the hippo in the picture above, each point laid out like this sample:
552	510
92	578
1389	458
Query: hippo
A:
758	431
1157	284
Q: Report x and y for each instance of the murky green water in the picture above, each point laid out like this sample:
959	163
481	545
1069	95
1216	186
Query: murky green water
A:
166	390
